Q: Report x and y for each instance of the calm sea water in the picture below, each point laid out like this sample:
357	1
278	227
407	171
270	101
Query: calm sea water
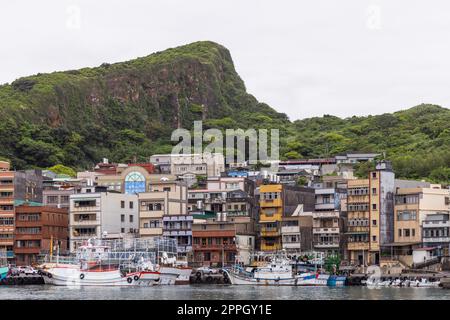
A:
203	292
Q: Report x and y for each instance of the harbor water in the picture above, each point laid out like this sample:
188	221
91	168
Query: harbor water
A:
219	292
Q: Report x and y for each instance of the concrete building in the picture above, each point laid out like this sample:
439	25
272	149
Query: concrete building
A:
370	215
39	230
16	187
413	206
278	201
223	241
132	179
58	198
163	211
436	232
187	166
107	215
297	232
355	157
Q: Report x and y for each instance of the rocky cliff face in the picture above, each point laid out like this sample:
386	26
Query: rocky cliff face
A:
143	99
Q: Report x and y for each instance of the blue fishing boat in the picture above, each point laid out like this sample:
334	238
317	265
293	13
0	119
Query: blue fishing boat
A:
336	281
3	272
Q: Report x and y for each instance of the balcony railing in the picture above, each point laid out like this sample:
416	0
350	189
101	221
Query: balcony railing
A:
326	244
436	239
214	247
325	230
358	246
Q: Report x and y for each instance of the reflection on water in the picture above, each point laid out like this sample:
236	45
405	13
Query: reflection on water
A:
220	292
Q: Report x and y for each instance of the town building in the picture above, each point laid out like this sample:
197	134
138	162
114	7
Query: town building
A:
163	212
16	187
223	241
102	214
413	206
297	232
436	232
370	215
278	201
39	230
355	157
188	166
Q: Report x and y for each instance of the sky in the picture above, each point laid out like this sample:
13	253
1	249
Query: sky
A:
303	58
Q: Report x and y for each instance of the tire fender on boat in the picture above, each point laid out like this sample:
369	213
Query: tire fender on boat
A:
49	275
82	276
136	278
129	280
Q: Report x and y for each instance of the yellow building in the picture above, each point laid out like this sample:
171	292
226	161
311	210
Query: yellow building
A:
412	205
271	213
370	220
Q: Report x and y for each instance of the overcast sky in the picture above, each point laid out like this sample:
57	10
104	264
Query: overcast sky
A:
304	58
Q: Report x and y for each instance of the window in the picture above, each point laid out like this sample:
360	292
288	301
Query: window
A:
131	218
374	222
374	190
374	206
166	189
399	232
122	230
146	225
374	238
131	204
406	232
374	175
122	204
7	221
134	183
52	199
413	232
122	218
407	215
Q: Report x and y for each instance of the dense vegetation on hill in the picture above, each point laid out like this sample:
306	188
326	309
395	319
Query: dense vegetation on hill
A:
127	111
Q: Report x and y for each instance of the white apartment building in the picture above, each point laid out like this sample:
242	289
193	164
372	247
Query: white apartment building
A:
183	165
107	215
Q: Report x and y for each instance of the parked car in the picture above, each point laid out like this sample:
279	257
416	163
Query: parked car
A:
24	270
207	270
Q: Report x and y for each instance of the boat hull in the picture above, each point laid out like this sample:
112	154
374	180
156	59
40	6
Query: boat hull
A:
61	276
304	280
173	275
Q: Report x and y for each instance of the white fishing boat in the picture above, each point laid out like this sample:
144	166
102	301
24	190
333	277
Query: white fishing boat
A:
275	273
70	276
173	271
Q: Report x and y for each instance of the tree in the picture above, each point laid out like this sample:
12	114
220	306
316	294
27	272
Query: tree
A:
61	169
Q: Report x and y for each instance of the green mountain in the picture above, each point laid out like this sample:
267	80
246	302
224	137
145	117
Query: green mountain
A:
127	111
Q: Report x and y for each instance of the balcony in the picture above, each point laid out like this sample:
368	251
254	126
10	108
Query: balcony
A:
270	233
27	250
219	200
177	232
292	229
270	203
325	206
215	247
150	231
85	209
291	245
326	214
326	245
436	240
176	218
86	223
325	230
435	224
151	214
358	246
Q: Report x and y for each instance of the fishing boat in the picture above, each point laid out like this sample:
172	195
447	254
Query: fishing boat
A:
95	269
173	271
277	272
4	271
